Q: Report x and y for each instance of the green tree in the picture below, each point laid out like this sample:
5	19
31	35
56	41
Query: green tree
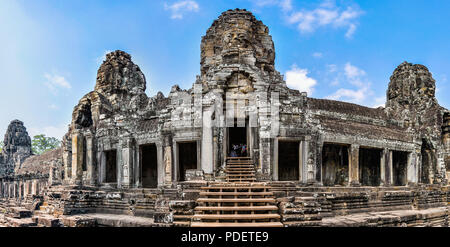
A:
1	146
42	144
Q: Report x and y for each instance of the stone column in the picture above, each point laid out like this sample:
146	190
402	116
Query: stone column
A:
77	158
275	160
207	158
168	164
161	164
319	162
265	157
14	184
389	169
20	191
354	165
90	160
11	190
127	162
67	160
383	167
412	169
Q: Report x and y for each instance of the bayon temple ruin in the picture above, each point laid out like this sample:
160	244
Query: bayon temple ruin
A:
132	160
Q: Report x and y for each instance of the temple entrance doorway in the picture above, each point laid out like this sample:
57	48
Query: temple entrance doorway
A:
237	141
335	163
111	166
370	166
187	158
149	166
288	160
399	164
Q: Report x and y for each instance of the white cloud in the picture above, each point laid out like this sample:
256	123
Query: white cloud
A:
179	8
50	131
331	68
351	30
328	4
53	107
354	74
379	102
286	5
357	78
355	96
317	54
297	78
54	82
102	58
326	14
263	3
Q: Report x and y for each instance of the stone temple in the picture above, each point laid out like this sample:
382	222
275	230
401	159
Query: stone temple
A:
132	160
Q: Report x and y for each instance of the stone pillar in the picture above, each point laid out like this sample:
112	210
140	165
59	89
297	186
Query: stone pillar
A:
207	158
354	165
412	169
311	161
275	160
128	149
67	160
90	160
319	162
168	164
13	184
119	163
10	190
265	157
161	164
383	167
389	169
77	158
20	191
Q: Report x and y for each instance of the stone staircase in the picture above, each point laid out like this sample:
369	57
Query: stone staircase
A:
240	169
17	217
236	205
239	202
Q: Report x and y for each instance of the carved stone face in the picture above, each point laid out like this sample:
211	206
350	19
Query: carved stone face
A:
240	83
236	38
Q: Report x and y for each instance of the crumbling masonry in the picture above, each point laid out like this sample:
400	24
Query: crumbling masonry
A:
131	160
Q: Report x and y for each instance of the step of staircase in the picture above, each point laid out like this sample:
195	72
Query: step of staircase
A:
236	216
20	222
236	193
182	220
240	208
231	204
236	200
19	212
234	224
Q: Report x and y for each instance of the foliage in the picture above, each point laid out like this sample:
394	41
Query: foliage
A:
40	144
1	146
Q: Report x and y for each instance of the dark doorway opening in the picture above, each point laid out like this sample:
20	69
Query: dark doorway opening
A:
84	164
334	164
111	166
187	158
399	165
427	160
288	160
237	141
149	165
369	166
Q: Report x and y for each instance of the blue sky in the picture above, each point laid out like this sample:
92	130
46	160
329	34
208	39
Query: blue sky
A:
345	50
